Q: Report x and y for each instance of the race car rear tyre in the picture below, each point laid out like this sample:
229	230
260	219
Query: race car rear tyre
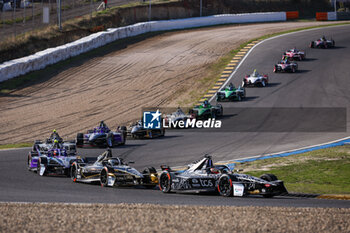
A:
165	182
80	139
104	178
225	187
268	177
74	172
123	131
263	83
147	179
312	44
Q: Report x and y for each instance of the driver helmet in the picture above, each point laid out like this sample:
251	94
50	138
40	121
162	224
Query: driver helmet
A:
54	131
205	103
214	170
255	73
230	86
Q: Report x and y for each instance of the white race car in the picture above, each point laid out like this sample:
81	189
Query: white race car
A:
255	79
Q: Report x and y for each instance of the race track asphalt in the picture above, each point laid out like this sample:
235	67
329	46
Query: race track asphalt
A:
322	81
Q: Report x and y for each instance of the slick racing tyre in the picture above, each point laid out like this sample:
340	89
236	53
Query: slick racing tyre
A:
109	140
268	177
80	139
123	131
225	187
74	172
41	161
312	44
29	161
165	182
147	172
104	177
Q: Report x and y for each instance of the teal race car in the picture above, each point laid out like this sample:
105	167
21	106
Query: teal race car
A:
206	111
231	93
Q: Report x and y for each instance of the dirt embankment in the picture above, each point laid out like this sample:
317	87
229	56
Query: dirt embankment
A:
114	85
157	218
77	28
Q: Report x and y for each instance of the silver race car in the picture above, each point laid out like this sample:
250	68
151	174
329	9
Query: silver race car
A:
204	176
255	79
112	171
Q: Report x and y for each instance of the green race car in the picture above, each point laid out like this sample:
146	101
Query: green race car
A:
206	111
231	93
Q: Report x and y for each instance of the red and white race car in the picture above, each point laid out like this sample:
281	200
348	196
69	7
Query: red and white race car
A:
295	54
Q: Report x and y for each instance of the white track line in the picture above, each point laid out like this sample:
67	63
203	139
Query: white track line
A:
271	38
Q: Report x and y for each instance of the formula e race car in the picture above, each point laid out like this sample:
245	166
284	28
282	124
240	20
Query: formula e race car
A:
285	65
51	158
255	79
102	136
322	43
231	93
137	131
206	111
112	171
295	54
204	176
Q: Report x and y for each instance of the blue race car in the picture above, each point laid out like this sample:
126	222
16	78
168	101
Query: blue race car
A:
102	136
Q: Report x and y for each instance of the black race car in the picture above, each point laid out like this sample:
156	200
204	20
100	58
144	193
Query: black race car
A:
112	171
204	176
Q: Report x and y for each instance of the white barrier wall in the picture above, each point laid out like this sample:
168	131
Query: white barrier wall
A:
50	56
332	15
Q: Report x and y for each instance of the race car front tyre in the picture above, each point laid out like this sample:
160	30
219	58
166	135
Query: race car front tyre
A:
41	161
80	139
165	182
312	44
225	187
29	161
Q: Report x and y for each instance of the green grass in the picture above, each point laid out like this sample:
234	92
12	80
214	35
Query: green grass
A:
17	145
325	171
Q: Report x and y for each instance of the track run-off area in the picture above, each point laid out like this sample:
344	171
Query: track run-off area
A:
322	81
